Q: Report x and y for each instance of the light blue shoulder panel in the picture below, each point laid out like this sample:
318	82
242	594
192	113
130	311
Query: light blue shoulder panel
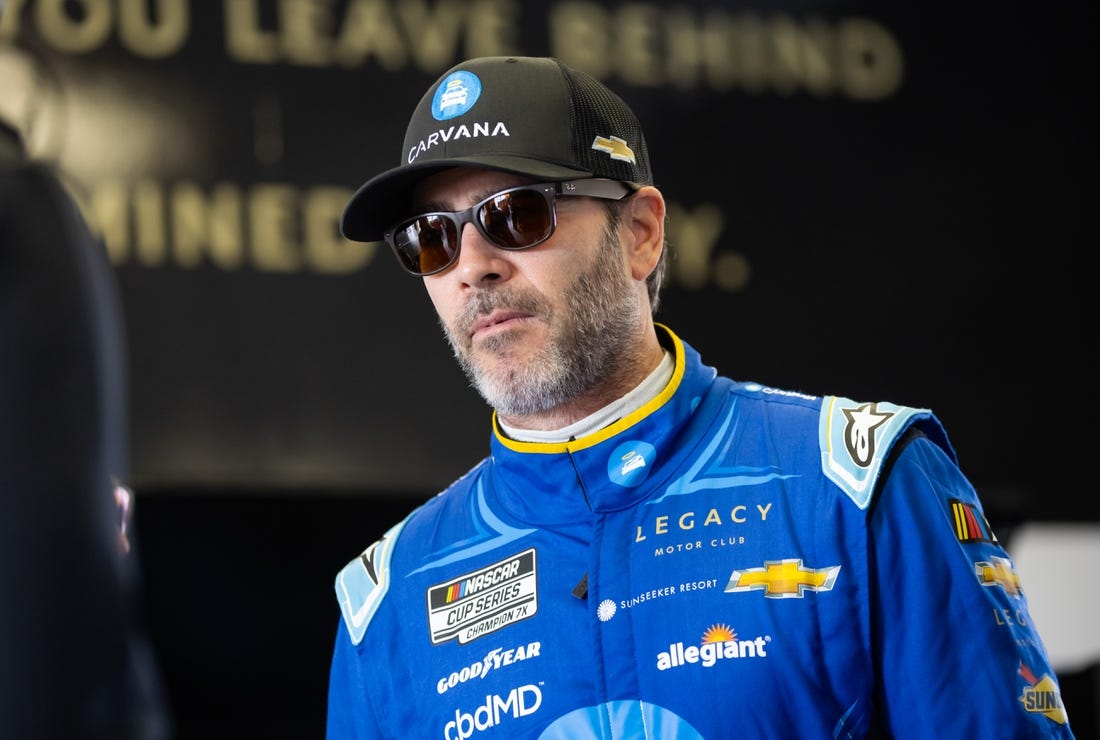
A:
362	584
855	439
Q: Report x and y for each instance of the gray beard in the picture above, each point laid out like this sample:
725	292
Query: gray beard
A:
587	347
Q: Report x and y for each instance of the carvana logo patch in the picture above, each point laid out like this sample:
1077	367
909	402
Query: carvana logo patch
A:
455	95
629	464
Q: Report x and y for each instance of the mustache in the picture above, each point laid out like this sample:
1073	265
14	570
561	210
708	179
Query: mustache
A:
486	301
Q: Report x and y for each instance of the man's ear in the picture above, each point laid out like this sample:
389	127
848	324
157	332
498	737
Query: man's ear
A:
645	219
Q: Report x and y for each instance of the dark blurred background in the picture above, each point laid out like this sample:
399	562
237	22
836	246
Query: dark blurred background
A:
881	202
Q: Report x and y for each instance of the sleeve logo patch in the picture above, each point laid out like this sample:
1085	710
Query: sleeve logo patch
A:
998	572
859	432
362	584
483	601
970	523
1041	696
855	439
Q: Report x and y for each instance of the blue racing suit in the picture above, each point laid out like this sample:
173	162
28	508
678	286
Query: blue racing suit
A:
730	560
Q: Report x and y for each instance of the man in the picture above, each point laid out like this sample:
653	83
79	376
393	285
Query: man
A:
651	549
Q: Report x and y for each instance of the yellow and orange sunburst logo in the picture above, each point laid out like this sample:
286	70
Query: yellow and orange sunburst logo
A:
719	633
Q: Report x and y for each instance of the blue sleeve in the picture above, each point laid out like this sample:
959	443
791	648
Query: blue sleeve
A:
955	647
349	703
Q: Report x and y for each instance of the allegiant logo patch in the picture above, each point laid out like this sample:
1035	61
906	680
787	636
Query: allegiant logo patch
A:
483	601
718	643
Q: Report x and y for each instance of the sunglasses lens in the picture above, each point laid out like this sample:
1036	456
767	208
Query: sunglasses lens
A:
517	219
427	243
514	219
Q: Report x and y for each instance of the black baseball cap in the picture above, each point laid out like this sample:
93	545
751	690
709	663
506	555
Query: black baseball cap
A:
526	115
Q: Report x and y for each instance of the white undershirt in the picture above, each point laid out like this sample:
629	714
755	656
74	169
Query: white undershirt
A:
632	401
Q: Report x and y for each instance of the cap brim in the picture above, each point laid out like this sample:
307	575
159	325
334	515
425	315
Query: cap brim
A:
386	198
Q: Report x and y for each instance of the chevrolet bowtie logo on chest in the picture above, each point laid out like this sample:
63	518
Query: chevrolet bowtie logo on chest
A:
783	579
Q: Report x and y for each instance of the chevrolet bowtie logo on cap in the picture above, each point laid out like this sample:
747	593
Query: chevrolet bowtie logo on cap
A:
616	147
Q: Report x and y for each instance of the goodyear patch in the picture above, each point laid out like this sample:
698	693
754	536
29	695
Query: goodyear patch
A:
855	439
363	583
483	601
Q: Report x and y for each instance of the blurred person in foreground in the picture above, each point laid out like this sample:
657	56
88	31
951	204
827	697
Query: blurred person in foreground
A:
76	663
650	549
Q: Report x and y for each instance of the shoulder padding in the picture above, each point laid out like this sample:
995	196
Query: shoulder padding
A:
856	438
362	584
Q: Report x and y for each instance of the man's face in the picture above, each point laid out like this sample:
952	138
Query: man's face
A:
538	329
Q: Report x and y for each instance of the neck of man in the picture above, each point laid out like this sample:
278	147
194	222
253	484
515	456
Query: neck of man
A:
601	402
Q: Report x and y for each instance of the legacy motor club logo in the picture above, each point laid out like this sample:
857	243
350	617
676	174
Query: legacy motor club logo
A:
483	601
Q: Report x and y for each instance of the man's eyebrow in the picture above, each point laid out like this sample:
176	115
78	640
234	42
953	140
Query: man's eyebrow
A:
432	206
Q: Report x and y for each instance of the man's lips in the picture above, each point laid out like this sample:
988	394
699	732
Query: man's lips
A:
495	319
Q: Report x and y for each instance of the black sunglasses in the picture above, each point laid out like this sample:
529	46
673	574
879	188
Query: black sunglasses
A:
516	218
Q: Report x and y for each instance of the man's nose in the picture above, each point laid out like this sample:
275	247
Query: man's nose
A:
479	259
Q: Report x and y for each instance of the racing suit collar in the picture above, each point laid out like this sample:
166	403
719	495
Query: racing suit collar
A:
615	467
